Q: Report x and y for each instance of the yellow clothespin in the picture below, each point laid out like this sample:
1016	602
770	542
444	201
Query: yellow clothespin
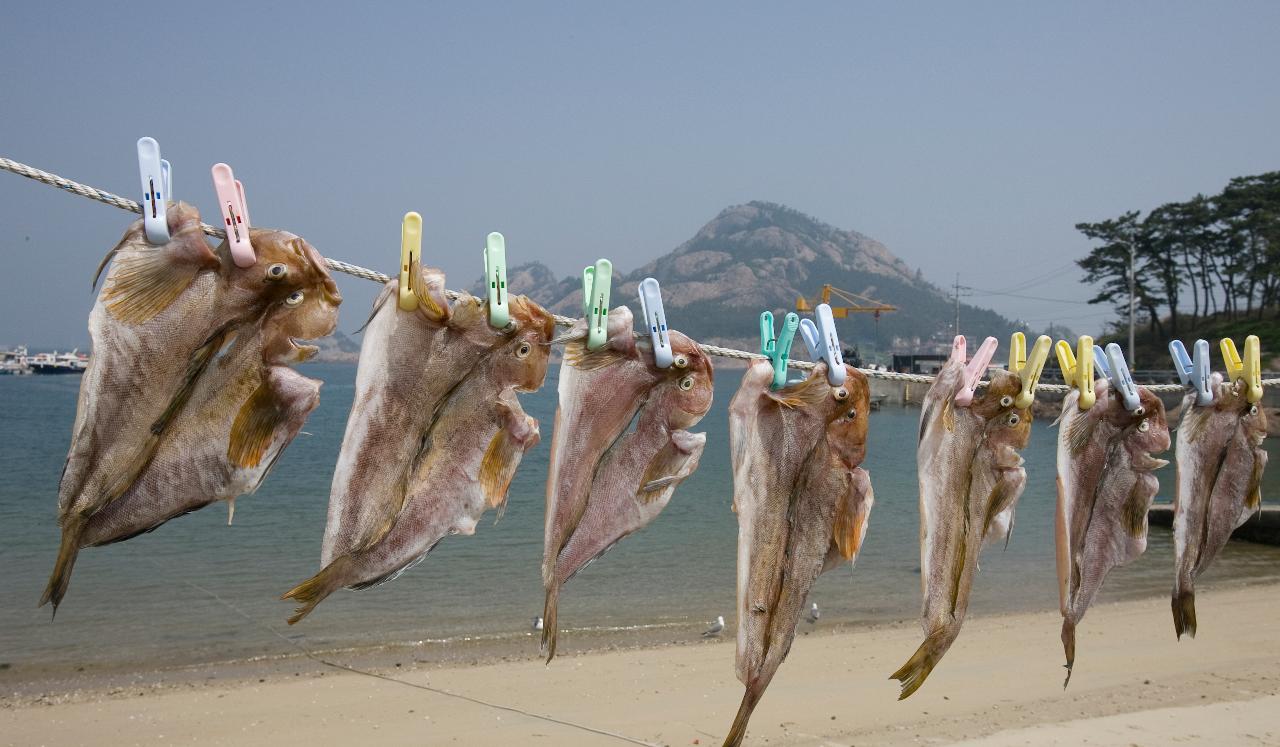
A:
1077	369
1028	368
410	255
1247	372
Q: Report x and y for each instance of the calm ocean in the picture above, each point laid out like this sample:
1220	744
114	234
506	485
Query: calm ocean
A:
150	601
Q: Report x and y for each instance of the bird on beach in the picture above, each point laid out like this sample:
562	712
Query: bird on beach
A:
715	628
537	623
814	614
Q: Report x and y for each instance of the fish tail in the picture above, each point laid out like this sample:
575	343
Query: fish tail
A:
913	674
1184	613
1068	648
739	728
549	626
60	579
314	590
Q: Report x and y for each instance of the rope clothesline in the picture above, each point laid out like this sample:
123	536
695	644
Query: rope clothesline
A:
93	193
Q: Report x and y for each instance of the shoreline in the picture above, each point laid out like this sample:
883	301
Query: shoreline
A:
1003	674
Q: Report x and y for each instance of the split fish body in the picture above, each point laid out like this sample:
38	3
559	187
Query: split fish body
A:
803	503
163	315
469	457
1220	465
1105	487
971	476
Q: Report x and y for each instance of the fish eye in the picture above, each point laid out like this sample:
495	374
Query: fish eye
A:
680	361
277	271
841	394
1006	400
1253	409
524	350
1144	426
294	298
686	383
1140	411
851	414
1013	418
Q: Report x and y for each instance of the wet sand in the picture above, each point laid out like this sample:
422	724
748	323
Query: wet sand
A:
1000	685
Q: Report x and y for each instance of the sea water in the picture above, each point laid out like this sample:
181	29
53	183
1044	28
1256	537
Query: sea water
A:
197	590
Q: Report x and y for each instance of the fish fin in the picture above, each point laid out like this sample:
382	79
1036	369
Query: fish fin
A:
429	291
314	590
1134	511
387	292
957	576
106	259
1001	497
738	730
1080	432
670	466
549	624
144	283
852	513
1068	648
913	674
577	355
949	415
60	579
1253	493
254	427
812	391
1184	613
498	467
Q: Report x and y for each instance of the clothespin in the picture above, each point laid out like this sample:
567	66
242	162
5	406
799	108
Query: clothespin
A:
235	214
1077	370
1121	381
595	302
1194	372
973	371
495	277
1100	362
778	349
1028	368
1247	372
824	343
157	189
655	319
410	255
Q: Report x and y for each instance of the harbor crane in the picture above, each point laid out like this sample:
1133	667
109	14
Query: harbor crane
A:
856	304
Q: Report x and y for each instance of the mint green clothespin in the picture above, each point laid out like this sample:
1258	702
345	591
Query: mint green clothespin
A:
595	302
778	349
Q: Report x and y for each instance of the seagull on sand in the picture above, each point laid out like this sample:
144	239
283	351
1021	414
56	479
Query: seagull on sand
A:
814	614
537	623
715	628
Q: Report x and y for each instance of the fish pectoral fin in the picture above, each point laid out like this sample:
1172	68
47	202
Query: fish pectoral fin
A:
852	514
670	466
577	355
1253	492
254	427
499	464
145	282
1134	511
432	302
1080	432
1002	496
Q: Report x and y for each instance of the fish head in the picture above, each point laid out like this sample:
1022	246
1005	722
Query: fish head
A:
1144	431
847	409
298	295
523	357
689	382
1007	426
1252	418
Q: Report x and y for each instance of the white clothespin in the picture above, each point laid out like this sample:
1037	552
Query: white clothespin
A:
1121	381
157	189
824	343
655	319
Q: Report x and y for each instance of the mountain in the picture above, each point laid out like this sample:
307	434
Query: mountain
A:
761	256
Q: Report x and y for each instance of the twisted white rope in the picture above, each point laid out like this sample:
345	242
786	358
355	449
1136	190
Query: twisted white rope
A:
108	198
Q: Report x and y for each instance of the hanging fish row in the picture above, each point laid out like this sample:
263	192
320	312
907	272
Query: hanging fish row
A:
436	431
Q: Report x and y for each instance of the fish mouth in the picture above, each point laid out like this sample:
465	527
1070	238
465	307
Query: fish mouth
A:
1148	463
301	350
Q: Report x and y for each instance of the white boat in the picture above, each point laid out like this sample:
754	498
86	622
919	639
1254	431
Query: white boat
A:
14	362
74	362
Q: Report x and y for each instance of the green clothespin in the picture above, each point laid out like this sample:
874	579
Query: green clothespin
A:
495	276
595	302
778	349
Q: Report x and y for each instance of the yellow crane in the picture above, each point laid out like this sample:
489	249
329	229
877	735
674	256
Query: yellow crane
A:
857	303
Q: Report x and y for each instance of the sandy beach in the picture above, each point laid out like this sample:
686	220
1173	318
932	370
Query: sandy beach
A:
1000	685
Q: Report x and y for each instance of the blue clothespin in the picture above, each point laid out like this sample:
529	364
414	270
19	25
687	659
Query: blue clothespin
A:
596	282
495	278
655	319
824	343
1121	381
778	349
157	189
1100	362
1193	373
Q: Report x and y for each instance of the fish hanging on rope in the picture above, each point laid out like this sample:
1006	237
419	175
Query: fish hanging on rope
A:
468	456
604	483
165	318
1220	464
1105	487
971	476
803	504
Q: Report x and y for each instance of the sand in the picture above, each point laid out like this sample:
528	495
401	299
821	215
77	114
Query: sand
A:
1000	685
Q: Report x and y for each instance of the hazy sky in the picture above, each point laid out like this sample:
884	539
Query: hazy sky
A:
968	137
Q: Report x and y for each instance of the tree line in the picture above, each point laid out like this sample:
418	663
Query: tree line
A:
1209	255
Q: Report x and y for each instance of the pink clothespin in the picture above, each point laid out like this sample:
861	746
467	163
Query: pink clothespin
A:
235	214
973	372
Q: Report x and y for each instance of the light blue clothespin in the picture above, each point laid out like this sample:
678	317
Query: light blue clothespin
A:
495	278
655	319
157	189
1100	362
1121	381
824	343
1194	373
596	282
778	349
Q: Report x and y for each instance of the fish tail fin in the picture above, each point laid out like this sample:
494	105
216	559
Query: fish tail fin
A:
314	590
738	730
60	579
913	674
1068	648
549	625
1184	613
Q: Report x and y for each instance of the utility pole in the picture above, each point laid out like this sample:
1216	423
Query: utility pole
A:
958	306
1132	303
